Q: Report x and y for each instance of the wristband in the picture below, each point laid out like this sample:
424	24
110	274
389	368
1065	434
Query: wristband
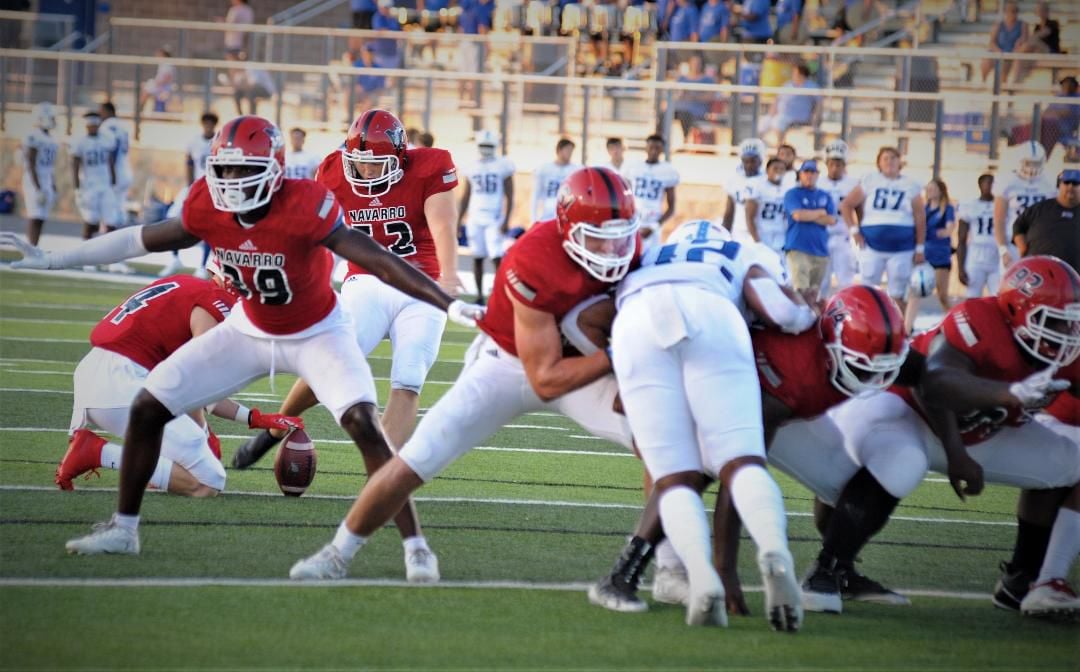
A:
243	414
920	249
1004	249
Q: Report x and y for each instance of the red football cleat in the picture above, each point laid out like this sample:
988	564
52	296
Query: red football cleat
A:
83	455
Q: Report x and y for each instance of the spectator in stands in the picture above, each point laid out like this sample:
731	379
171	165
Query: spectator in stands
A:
1052	226
794	108
240	12
385	50
616	151
692	106
684	22
251	85
788	18
857	14
368	87
1045	38
1072	150
714	20
754	21
810	212
475	19
940	224
1005	36
363	11
1063	118
160	88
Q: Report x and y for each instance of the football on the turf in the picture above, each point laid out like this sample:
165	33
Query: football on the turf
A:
294	466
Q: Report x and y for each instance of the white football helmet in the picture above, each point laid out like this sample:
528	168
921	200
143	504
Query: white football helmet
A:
1030	159
753	147
698	230
837	149
487	142
44	116
922	280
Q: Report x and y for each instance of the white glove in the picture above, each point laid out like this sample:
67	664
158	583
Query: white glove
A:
42	199
465	314
33	257
804	319
1038	389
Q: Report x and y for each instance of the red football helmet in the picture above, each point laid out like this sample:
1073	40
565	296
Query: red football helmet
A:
863	331
376	139
252	142
595	212
1040	297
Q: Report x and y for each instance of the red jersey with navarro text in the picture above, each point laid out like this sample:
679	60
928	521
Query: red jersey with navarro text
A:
156	320
538	273
279	265
977	328
795	370
1066	406
396	220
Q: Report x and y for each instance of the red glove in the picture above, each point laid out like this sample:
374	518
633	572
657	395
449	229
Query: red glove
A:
259	420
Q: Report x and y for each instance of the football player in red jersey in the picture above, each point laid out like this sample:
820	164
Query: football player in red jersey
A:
271	236
402	198
517	365
990	364
128	343
858	348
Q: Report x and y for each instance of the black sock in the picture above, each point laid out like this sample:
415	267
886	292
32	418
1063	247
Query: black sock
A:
632	562
1031	543
862	510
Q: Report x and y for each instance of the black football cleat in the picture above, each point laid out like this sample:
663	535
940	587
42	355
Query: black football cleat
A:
615	595
821	589
253	449
1012	587
859	588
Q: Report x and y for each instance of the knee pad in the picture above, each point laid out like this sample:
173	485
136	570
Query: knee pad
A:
898	466
409	370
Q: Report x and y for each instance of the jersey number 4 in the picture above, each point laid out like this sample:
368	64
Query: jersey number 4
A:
141	299
403	246
271	284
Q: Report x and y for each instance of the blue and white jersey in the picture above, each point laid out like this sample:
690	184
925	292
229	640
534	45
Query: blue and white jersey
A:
770	220
888	223
1022	193
649	182
487	189
838	190
45	161
95	152
301	165
705	257
982	248
122	140
737	189
548	178
197	152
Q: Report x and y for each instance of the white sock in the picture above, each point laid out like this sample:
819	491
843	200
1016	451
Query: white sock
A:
346	542
110	455
126	522
683	515
1064	546
162	473
417	543
761	507
666	557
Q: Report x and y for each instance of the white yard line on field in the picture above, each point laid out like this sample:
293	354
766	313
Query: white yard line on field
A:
522	502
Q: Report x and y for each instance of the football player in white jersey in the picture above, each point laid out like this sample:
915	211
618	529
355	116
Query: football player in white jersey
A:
765	206
976	250
1024	188
789	156
653	182
547	180
110	125
616	151
300	164
839	184
195	164
891	234
693	413
39	158
751	161
486	206
93	170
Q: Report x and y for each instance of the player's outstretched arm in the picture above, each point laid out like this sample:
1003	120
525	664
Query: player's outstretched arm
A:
110	248
364	251
777	305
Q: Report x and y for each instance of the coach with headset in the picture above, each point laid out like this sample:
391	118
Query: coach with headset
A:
1052	226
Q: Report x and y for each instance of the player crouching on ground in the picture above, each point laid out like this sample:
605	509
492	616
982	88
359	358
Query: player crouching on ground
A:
128	343
271	236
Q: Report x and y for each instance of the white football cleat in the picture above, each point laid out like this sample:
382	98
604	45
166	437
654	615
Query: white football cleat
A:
1054	599
705	603
783	599
421	566
670	585
172	268
326	565
106	538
